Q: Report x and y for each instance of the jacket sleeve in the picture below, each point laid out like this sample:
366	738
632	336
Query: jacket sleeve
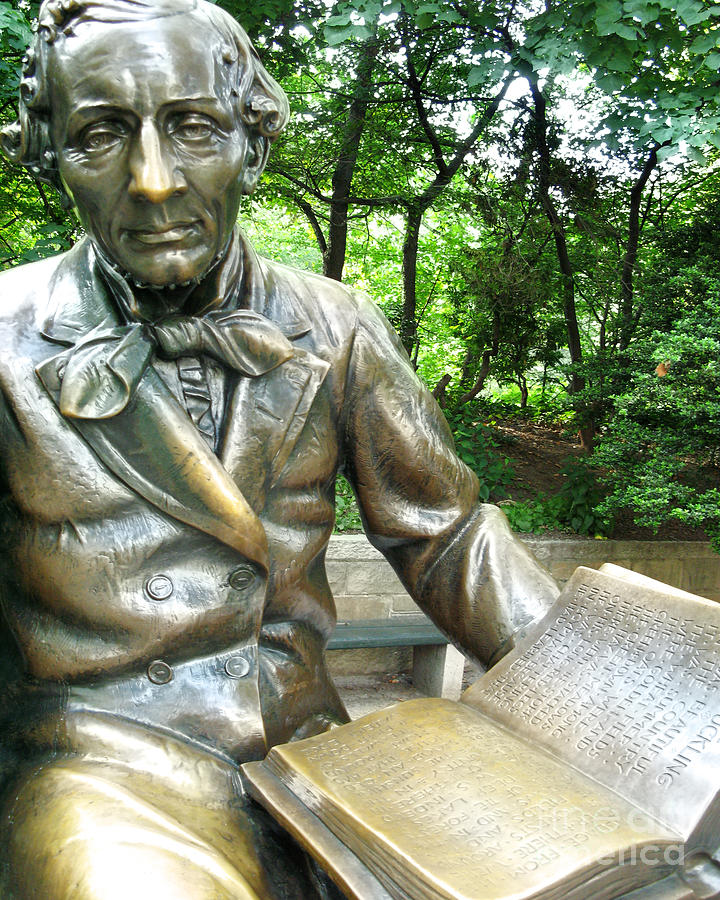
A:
457	558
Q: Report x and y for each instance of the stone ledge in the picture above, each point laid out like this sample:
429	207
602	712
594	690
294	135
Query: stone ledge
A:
357	570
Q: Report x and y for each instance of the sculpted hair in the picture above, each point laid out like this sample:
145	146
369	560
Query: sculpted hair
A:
261	103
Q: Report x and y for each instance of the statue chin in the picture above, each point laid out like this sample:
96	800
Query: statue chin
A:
168	278
164	283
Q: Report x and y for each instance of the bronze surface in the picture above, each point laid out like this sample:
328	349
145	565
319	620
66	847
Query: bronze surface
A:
173	415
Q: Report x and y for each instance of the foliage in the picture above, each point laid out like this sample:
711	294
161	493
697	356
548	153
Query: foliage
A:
532	516
660	451
575	507
608	137
279	235
658	61
477	448
33	223
347	514
547	404
664	427
14	36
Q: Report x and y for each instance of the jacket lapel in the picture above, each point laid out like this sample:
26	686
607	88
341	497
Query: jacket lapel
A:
151	445
266	415
265	419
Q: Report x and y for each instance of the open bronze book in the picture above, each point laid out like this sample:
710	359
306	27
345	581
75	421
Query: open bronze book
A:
586	764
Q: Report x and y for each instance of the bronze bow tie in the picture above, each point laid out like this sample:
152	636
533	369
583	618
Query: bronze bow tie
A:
103	371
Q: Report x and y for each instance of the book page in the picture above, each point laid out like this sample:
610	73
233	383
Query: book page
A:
437	794
622	681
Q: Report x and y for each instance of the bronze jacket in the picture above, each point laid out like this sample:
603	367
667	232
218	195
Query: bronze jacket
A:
147	579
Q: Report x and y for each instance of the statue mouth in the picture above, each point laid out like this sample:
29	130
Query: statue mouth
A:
164	234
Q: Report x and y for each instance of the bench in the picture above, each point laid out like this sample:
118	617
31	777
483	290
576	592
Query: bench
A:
437	665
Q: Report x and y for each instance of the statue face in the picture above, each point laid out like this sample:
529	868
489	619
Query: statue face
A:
149	144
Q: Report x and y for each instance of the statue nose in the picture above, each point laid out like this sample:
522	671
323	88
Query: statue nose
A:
154	175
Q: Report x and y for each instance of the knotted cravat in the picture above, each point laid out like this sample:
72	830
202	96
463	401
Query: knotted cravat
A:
102	372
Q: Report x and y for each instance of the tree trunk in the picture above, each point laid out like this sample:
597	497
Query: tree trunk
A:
445	172
312	219
586	431
483	373
524	393
487	356
631	251
334	255
408	322
440	388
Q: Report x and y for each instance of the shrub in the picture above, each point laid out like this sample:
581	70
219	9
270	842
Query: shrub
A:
664	435
477	448
575	507
347	514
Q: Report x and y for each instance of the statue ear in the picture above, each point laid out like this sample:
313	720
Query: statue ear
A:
255	159
26	143
11	142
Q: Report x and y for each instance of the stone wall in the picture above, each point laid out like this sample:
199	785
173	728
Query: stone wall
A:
691	565
365	587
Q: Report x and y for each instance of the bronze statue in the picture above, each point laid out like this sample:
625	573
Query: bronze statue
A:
174	413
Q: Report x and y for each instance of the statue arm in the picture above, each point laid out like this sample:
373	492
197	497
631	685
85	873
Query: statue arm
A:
457	558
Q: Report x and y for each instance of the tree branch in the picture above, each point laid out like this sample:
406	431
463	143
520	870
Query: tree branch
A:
416	92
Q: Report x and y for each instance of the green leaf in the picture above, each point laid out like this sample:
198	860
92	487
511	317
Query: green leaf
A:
621	59
696	154
336	21
662	134
476	76
335	35
644	12
630	32
692	12
14	23
665	152
449	15
704	42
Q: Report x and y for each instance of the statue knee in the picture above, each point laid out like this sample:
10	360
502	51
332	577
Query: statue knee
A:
71	836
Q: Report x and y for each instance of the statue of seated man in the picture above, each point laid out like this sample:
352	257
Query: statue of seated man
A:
174	412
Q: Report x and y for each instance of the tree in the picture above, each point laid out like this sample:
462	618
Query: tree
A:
320	154
33	221
638	55
396	139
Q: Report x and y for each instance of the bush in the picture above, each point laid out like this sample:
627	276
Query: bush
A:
476	447
575	507
664	435
347	514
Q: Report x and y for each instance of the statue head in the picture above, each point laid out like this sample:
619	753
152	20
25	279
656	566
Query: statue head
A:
154	117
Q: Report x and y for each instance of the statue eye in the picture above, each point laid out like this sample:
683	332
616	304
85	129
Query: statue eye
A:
101	137
193	128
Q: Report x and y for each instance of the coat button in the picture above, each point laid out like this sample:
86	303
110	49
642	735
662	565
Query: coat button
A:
159	672
237	667
241	578
158	587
